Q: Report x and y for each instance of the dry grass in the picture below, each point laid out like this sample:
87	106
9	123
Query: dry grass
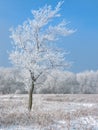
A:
91	98
47	109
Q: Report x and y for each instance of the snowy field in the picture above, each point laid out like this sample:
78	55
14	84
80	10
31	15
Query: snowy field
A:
50	112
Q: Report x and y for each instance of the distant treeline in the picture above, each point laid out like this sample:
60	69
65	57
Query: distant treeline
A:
58	82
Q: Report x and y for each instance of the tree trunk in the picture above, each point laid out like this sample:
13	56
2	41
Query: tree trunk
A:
30	96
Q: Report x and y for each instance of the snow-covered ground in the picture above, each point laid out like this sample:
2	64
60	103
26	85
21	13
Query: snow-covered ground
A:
50	112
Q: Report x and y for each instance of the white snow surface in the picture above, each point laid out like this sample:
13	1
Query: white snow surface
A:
87	122
43	105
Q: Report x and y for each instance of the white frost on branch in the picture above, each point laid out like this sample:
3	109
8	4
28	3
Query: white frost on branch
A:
46	14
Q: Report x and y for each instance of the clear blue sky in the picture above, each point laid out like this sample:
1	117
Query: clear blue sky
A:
83	15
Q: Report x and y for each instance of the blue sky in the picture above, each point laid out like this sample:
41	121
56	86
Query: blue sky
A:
83	16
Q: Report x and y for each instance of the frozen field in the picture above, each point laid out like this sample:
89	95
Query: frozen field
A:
50	112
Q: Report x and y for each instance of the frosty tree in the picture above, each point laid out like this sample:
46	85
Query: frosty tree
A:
31	40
